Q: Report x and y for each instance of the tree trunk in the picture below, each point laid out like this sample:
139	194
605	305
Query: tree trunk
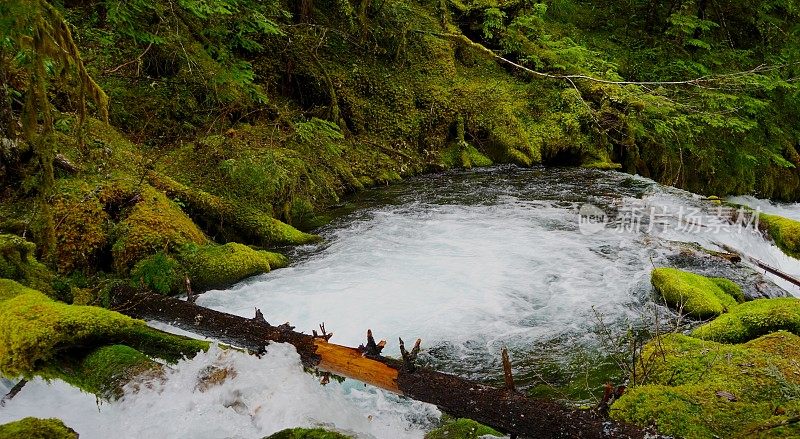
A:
503	409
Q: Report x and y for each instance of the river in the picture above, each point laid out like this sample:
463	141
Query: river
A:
552	263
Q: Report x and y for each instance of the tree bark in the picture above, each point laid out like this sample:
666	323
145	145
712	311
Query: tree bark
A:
503	409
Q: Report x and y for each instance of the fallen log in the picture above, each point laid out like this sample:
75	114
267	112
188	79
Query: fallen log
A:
763	265
501	408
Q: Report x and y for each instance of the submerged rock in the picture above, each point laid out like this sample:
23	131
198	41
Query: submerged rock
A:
696	295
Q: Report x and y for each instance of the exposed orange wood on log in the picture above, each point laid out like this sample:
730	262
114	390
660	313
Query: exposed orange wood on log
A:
501	408
349	362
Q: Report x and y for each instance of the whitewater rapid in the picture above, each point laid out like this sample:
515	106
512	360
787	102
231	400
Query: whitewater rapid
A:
470	263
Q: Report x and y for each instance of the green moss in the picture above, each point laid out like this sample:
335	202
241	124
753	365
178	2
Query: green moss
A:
154	224
35	428
602	165
461	429
34	328
10	288
247	223
784	231
160	273
697	295
82	226
306	433
752	319
17	262
207	267
103	372
464	155
703	389
217	266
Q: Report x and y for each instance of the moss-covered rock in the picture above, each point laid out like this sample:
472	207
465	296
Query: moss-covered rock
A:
217	266
461	429
696	295
752	319
207	267
35	428
81	226
233	221
17	261
784	231
154	224
702	389
10	288
306	433
103	371
464	155
34	329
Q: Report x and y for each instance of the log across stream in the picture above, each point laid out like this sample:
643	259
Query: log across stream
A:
470	263
502	408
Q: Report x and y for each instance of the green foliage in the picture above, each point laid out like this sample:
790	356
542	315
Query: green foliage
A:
702	389
35	428
160	273
218	266
461	429
753	319
696	295
34	329
784	231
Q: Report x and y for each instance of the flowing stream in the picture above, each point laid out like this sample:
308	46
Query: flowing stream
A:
552	263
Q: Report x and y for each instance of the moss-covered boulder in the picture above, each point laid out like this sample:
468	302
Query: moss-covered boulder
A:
216	266
81	225
461	429
103	371
784	231
696	295
306	433
34	329
701	389
207	267
35	428
154	224
17	261
231	220
752	319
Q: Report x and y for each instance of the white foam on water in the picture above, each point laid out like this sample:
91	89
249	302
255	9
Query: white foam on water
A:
264	396
516	272
508	269
788	210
